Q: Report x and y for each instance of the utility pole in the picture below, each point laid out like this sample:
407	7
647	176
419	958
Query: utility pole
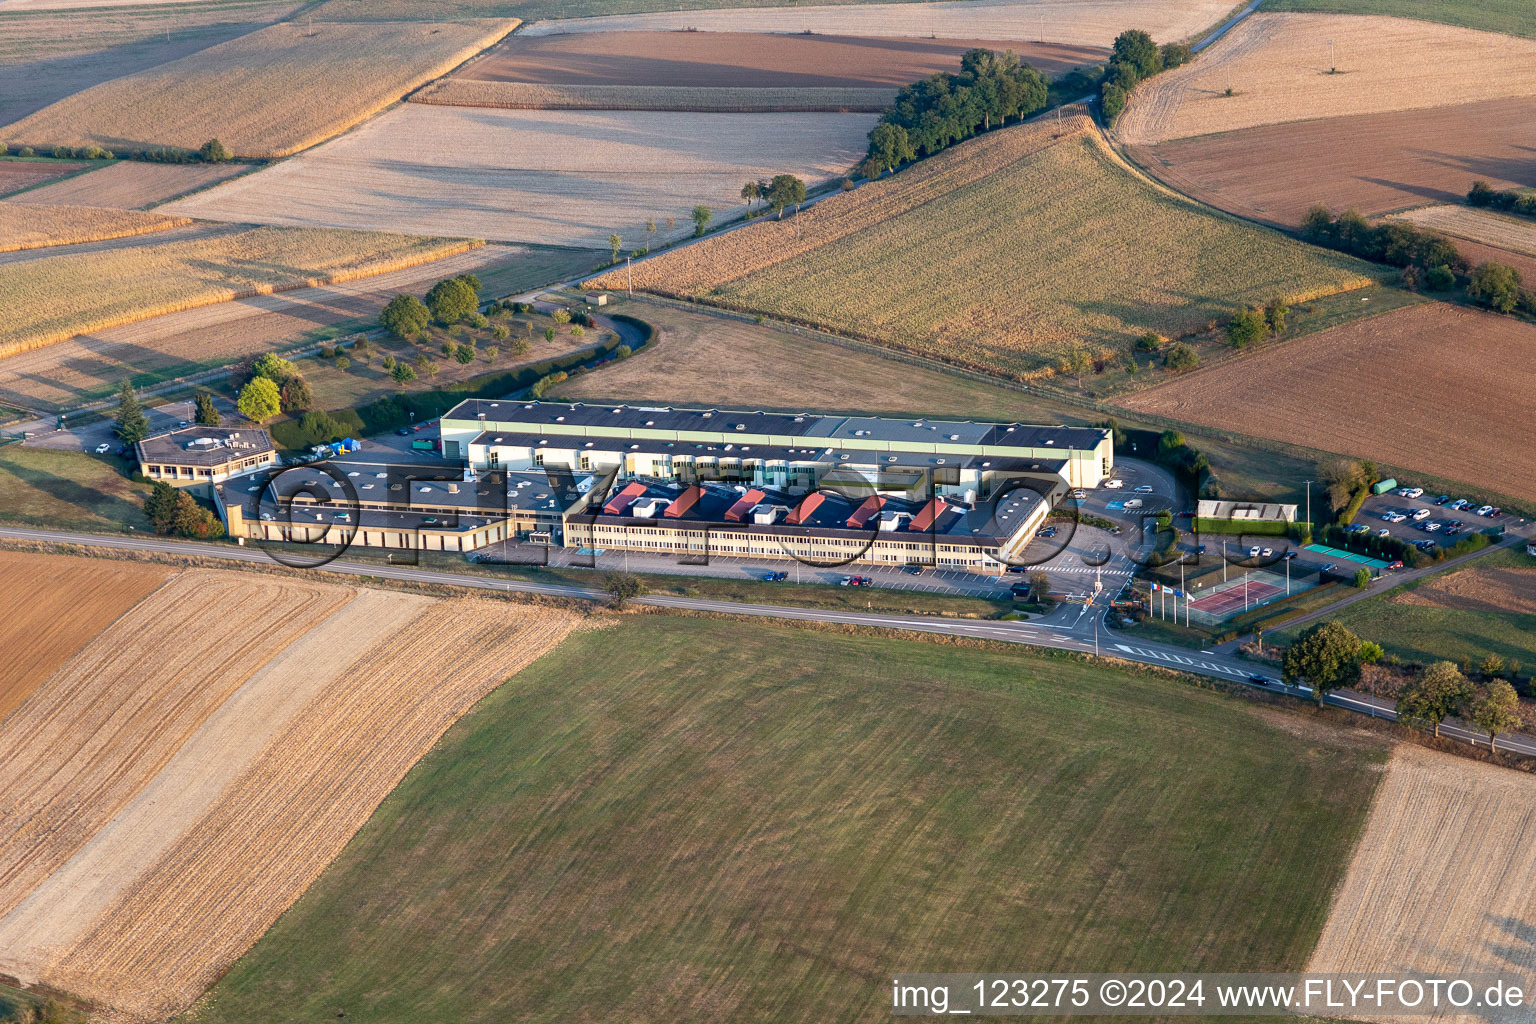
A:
1223	559
1186	596
629	268
1309	507
1333	68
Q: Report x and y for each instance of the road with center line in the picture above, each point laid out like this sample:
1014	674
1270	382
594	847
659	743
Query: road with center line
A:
1077	628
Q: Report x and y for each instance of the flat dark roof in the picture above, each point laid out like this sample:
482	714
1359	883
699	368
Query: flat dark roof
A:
204	446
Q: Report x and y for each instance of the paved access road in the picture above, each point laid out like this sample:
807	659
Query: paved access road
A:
1078	628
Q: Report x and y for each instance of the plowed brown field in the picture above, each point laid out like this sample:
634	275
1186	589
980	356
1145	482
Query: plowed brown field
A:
18	174
1277	68
1376	163
132	184
1432	387
744	59
1438	885
102	726
50	607
281	822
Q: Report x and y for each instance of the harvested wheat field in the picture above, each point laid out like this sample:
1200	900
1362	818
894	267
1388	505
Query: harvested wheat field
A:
277	825
60	296
37	227
132	184
559	177
100	728
744	59
24	174
1439	882
453	92
1516	234
1506	591
1376	163
270	93
90	366
1423	388
1074	22
52	606
1277	66
1001	254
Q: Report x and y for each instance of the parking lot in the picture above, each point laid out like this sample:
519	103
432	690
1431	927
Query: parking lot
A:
1424	517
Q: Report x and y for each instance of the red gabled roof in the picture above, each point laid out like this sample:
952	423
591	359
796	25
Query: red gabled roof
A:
684	502
865	512
737	512
803	511
925	519
620	502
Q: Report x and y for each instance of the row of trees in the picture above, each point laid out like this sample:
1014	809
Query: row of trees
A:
1482	194
1134	57
783	190
132	424
174	512
1255	324
946	108
213	151
450	301
1329	656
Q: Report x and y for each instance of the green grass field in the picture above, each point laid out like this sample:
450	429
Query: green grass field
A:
68	490
1516	17
687	819
1424	633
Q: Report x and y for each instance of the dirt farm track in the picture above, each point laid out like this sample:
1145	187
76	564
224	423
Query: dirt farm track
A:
1433	387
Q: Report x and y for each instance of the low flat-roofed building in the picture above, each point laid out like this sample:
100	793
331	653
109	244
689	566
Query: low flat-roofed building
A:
199	457
1246	511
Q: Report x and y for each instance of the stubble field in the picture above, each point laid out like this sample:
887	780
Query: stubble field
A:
453	92
1516	234
92	365
37	227
1506	590
1466	379
174	788
1436	885
1376	163
270	93
55	606
1076	22
1277	66
1513	16
132	185
557	177
709	820
56	297
1002	254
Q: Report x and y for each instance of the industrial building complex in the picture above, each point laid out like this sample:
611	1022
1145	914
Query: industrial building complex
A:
829	489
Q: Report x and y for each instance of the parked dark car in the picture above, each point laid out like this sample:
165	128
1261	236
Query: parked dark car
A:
912	570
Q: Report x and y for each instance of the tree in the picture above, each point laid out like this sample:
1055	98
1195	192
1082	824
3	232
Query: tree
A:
275	368
1362	578
1077	362
750	192
160	506
1136	49
1481	194
1440	279
1491	666
1039	587
1497	711
215	152
785	190
549	334
452	300
1275	312
207	415
464	354
623	586
1112	101
1181	356
132	425
1495	286
1151	341
1326	657
701	215
1247	327
889	147
402	373
259	400
614	242
1175	55
1438	692
296	395
405	316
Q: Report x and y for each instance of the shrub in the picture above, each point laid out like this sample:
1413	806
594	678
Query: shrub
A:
1247	328
561	316
1440	279
26	151
623	352
491	352
477	320
549	334
402	373
1151	342
578	331
501	332
342	362
1181	356
1495	286
215	152
1362	578
464	354
62	153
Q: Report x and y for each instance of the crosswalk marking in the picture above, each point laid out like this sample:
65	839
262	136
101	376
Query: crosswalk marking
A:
1179	659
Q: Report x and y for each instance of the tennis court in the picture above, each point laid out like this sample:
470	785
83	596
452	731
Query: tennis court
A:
1234	596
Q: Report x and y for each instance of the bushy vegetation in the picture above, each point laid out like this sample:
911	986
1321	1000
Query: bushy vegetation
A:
174	512
1392	242
1135	57
1522	203
946	108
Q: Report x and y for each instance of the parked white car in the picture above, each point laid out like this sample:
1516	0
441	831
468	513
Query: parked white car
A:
102	449
1253	552
1113	484
1485	510
1395	517
1422	514
1412	492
